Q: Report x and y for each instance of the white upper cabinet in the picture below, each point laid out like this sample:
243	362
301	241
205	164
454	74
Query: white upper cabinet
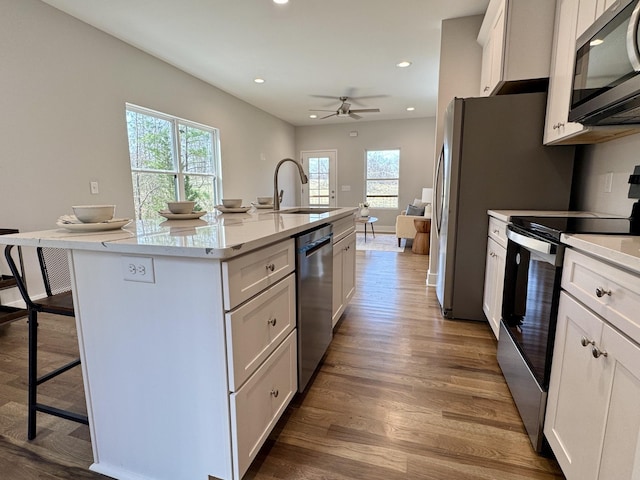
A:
573	18
516	38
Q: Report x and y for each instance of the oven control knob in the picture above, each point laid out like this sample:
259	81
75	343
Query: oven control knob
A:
601	292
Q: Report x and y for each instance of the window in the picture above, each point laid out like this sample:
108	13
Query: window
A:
171	159
318	180
382	178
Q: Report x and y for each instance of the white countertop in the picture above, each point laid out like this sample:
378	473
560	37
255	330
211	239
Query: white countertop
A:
505	215
212	236
621	250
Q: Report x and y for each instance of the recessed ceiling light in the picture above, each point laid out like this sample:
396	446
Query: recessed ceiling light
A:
258	80
410	109
403	64
280	2
313	115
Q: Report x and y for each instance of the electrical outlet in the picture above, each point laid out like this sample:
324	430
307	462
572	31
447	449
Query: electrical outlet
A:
138	269
94	188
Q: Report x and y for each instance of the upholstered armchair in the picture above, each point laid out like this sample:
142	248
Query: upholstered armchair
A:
420	208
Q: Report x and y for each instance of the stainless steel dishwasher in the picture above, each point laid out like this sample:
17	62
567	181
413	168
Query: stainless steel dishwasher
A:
314	282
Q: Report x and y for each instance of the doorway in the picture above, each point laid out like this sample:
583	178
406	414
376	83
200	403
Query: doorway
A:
320	166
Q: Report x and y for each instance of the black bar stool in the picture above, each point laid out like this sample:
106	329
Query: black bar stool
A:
59	301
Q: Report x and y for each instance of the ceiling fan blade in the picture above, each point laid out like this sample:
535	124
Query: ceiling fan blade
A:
322	110
332	115
354	116
356	100
366	110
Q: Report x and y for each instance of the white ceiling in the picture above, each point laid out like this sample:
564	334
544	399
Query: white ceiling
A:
302	49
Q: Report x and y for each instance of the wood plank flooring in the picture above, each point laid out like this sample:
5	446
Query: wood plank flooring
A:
402	394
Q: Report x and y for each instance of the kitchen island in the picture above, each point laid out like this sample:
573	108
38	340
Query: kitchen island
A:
187	336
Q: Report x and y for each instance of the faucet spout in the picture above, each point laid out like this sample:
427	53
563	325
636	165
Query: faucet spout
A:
303	180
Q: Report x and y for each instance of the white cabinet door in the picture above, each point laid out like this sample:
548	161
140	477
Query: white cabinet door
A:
344	275
593	420
557	125
493	54
587	13
493	284
578	392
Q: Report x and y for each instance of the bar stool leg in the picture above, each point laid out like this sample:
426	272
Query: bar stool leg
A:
33	373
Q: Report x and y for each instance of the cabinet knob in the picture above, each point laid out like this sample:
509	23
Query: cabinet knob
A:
596	352
560	124
601	292
496	231
275	393
555	126
486	89
271	267
272	321
585	342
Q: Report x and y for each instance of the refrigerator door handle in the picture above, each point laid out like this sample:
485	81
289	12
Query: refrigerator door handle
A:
439	192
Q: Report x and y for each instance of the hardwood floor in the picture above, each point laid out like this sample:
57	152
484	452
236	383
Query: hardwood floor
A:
402	394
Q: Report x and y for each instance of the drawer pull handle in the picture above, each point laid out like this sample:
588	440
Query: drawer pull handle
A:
272	321
596	352
275	393
271	267
585	342
497	232
601	292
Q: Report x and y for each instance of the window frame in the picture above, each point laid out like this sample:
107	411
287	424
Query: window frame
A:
176	153
366	179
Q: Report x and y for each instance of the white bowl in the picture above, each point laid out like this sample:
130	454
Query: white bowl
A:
94	213
232	202
181	207
265	200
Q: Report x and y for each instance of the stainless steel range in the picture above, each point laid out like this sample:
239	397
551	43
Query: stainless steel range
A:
530	306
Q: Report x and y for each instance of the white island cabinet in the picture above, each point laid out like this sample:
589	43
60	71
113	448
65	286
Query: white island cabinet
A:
593	420
187	368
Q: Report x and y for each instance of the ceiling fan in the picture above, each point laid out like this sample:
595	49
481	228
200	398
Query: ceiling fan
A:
344	110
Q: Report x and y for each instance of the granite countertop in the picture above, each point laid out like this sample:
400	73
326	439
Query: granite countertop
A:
621	250
212	236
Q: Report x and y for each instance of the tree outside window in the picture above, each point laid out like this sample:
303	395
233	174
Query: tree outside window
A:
171	159
382	178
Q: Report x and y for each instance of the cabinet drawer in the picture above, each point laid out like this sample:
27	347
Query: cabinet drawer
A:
498	231
610	292
343	227
257	327
249	274
258	405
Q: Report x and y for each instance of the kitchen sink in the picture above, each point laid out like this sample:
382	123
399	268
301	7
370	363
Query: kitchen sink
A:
309	210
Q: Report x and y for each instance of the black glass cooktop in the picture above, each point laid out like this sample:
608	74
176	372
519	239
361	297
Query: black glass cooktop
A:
553	227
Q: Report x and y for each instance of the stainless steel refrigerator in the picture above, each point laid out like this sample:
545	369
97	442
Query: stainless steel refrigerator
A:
492	158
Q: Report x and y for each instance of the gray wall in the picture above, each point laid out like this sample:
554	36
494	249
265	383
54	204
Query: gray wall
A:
414	138
63	89
594	162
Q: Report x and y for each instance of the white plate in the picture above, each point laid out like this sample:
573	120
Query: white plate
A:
113	224
181	216
257	205
224	209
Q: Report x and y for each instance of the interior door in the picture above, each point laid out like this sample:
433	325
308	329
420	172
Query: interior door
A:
320	167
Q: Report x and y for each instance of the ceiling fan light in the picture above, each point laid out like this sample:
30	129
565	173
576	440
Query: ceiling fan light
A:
403	64
410	109
280	2
313	115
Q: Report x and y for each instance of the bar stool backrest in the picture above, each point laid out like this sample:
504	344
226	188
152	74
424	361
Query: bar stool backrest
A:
55	270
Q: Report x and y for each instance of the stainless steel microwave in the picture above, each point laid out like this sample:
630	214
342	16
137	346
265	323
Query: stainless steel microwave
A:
606	80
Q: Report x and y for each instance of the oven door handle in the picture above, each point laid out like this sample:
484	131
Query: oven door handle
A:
530	243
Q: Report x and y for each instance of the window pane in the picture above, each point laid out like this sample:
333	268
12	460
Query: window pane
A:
382	183
150	142
200	189
151	192
196	150
383	163
318	181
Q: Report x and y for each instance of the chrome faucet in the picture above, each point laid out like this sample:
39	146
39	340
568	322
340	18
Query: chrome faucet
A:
303	179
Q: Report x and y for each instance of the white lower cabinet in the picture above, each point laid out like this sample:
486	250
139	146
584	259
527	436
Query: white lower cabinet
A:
592	421
259	403
344	274
494	273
